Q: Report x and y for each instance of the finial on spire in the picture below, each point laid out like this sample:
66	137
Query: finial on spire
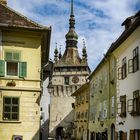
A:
60	55
84	43
72	19
56	53
84	51
72	12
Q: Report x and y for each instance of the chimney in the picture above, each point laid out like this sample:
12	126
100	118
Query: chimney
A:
4	2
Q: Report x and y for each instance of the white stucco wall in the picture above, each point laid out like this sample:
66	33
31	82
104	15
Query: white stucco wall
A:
44	104
45	99
130	84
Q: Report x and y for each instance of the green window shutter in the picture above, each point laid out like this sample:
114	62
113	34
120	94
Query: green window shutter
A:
2	67
22	69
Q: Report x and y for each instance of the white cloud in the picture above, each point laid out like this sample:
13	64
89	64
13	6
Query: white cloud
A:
103	29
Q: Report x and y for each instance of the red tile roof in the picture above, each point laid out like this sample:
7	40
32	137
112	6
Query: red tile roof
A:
9	17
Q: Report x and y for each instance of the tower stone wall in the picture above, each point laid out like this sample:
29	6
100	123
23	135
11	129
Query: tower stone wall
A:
69	73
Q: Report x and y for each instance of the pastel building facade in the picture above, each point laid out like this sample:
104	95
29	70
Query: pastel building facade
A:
24	49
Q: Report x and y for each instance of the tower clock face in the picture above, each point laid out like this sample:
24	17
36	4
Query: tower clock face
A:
75	79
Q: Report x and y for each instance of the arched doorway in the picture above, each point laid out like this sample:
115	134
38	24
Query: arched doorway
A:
112	132
59	133
92	136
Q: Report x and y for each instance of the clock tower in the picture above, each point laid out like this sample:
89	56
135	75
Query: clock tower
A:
69	73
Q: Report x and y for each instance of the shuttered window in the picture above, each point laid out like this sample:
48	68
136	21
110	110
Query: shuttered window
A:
123	106
134	104
12	58
135	59
12	66
124	68
136	107
133	64
122	71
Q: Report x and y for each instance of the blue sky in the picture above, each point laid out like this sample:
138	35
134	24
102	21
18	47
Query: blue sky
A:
98	22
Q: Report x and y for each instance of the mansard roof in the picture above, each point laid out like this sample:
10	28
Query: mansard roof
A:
11	18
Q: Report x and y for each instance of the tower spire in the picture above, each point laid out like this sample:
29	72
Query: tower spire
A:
60	55
71	36
56	53
84	55
72	19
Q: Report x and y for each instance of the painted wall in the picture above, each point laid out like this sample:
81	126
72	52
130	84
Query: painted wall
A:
44	105
81	106
27	89
102	98
130	83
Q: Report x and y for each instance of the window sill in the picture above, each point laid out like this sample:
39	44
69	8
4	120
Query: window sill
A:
18	78
4	121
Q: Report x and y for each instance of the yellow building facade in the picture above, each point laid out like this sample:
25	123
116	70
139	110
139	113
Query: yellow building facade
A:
102	103
81	112
24	48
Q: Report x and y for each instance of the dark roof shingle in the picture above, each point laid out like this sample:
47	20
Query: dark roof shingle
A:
9	17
